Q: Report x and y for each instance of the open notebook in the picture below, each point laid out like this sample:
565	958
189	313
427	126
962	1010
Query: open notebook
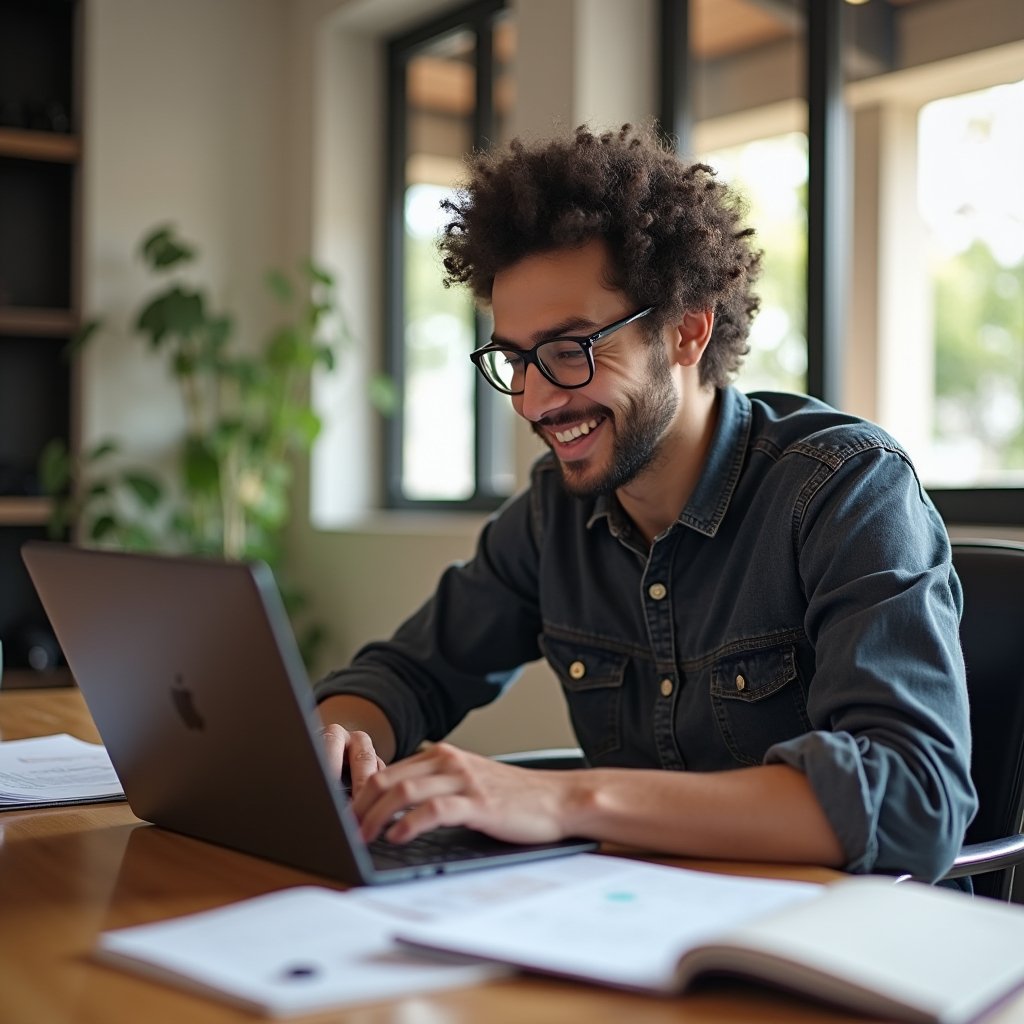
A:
901	951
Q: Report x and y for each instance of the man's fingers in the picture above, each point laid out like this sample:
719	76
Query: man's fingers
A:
350	753
363	761
439	811
377	812
335	740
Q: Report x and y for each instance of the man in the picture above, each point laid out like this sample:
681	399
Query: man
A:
748	600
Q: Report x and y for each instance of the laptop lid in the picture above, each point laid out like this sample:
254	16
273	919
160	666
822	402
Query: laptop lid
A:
192	675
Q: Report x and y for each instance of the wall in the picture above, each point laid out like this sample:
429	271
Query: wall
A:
183	121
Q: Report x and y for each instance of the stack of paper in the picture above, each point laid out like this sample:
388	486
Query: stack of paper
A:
297	951
49	771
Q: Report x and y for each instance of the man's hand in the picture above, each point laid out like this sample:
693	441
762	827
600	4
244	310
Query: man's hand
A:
351	754
448	786
357	737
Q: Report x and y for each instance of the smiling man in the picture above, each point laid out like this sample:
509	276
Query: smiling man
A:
747	599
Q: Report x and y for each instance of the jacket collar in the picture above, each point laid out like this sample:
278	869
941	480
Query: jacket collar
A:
709	502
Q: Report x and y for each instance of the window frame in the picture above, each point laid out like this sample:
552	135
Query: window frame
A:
477	17
829	182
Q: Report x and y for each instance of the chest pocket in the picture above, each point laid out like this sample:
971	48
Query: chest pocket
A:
758	700
592	680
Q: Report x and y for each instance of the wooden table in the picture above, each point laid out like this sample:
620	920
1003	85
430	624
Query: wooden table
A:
67	874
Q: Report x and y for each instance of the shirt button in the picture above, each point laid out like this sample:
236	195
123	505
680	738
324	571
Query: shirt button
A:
666	687
577	670
657	591
741	683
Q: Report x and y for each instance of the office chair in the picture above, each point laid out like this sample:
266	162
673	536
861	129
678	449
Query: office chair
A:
992	635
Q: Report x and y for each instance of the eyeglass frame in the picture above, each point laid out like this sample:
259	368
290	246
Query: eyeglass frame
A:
529	355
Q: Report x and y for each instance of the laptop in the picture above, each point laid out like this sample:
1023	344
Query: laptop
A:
192	675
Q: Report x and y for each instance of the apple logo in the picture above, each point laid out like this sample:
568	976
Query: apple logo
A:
184	703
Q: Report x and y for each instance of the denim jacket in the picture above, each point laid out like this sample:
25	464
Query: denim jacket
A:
802	609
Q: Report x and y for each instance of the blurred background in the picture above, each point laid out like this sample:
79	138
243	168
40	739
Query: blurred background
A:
879	145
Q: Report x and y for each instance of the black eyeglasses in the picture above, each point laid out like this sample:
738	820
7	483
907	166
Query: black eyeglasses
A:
567	362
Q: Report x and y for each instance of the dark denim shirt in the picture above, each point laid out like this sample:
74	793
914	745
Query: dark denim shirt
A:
802	609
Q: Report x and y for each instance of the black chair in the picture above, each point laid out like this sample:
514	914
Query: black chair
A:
992	635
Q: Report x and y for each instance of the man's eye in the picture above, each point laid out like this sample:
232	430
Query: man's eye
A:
568	354
512	360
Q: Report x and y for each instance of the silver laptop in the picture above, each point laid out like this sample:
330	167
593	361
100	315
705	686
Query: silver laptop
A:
192	675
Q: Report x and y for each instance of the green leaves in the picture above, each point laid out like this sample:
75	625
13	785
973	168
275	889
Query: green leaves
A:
99	495
146	488
247	415
161	249
280	287
317	273
174	313
55	467
200	466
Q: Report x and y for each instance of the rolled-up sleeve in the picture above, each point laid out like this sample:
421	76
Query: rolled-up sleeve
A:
889	754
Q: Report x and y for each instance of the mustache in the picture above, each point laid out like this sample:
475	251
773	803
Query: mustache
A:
564	419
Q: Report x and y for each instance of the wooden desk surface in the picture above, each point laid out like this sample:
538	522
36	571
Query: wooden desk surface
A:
67	874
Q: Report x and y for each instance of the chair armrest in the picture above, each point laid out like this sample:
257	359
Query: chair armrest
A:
993	855
559	758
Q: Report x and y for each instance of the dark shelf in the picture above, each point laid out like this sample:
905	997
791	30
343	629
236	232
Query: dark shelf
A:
35	407
22	144
40	221
25	511
37	74
36	210
37	323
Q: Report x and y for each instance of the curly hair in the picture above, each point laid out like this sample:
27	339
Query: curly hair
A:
674	231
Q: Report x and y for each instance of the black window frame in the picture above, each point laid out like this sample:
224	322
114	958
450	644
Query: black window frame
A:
826	28
478	17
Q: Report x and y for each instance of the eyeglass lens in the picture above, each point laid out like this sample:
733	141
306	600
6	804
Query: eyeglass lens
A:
563	360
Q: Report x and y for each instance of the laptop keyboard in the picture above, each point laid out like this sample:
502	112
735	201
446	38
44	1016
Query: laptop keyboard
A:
436	847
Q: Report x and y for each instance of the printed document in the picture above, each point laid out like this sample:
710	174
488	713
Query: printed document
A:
53	770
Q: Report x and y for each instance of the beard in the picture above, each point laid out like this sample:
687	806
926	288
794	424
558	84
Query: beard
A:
640	424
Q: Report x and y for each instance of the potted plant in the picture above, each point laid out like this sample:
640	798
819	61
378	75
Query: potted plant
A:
247	417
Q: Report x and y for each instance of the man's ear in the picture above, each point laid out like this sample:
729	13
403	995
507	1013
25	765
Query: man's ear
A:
691	336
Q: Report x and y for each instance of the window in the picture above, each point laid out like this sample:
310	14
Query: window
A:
771	173
450	442
938	266
970	188
750	124
915	231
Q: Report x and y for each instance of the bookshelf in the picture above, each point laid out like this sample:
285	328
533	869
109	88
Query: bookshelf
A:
40	170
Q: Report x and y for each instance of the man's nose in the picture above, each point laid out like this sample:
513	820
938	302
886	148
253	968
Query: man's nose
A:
540	397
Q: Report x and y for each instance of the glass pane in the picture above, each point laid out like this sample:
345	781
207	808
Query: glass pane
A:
771	173
447	410
438	458
936	335
971	199
750	125
496	417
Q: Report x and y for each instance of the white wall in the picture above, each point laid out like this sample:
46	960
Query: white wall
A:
184	110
